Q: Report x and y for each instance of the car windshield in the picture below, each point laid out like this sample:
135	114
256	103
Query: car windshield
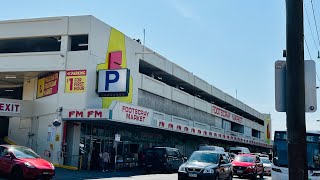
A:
265	160
244	158
23	152
154	153
207	157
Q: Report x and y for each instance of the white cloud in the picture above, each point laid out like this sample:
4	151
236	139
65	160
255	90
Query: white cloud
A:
184	10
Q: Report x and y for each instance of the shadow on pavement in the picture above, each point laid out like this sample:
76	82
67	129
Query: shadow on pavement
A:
62	174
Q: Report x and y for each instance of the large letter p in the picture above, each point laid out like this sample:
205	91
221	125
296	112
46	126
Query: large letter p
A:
109	80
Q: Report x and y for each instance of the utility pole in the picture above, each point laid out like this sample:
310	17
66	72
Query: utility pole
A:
296	123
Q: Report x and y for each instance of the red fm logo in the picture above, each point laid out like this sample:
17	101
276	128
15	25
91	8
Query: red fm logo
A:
210	133
161	124
186	129
170	126
199	131
179	127
205	133
193	130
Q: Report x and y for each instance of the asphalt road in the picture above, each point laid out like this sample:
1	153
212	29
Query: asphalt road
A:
160	177
76	175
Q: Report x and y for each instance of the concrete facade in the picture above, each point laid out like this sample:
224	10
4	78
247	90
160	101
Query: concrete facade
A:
161	95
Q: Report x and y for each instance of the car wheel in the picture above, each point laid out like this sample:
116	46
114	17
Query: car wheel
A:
254	176
16	174
169	169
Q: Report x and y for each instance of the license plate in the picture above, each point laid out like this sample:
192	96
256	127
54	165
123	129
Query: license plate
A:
193	175
240	171
45	173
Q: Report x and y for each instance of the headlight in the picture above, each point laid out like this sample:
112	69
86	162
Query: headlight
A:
52	166
182	169
29	165
208	170
251	167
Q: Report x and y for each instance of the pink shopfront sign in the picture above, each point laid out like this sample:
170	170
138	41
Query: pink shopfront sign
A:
86	114
225	114
132	114
205	133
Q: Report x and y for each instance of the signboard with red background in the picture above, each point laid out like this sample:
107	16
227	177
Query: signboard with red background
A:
48	85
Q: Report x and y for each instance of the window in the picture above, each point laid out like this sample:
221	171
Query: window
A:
79	42
171	153
25	45
177	154
255	133
1	152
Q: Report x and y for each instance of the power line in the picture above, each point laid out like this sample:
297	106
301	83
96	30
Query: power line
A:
310	55
314	41
307	47
315	21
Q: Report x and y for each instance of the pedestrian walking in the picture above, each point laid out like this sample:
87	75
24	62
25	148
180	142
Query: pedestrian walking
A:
105	160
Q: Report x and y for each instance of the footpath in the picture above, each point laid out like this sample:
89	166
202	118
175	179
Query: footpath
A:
65	174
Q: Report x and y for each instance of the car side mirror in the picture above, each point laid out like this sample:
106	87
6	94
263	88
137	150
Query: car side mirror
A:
9	155
222	161
184	158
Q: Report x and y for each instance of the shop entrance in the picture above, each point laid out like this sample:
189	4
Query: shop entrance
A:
4	126
90	148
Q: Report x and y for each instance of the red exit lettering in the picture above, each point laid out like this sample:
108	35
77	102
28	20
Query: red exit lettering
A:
9	107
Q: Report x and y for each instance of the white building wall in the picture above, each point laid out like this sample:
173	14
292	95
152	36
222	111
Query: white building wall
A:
44	109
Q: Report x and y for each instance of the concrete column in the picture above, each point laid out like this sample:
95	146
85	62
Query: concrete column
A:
73	141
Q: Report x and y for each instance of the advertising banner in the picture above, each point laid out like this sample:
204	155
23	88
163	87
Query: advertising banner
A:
76	81
162	124
48	85
225	114
85	114
132	114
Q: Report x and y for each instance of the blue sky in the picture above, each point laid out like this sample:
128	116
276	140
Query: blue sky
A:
231	44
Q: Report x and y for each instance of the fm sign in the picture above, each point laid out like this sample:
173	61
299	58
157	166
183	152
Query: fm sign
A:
113	82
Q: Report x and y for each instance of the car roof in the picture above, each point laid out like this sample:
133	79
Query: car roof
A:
252	155
163	148
11	146
262	157
208	151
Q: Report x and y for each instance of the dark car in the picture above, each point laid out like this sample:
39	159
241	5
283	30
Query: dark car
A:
206	165
248	165
164	159
20	162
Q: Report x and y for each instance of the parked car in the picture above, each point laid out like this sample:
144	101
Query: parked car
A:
163	159
215	148
20	162
206	165
239	150
266	165
247	165
211	148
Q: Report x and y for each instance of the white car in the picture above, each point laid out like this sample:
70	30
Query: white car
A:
266	165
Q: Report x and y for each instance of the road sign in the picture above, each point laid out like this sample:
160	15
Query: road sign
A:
281	84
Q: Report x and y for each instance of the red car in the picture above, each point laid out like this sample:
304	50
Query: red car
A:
20	162
247	165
